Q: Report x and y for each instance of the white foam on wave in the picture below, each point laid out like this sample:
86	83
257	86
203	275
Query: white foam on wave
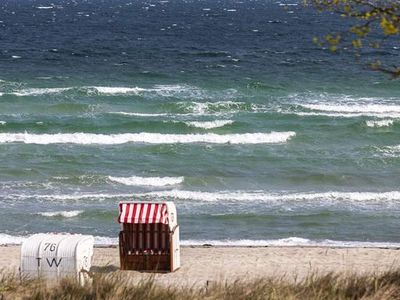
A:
105	241
209	124
347	115
64	214
379	123
63	197
161	90
354	108
6	239
45	7
3	122
218	107
260	196
138	114
390	151
149	138
363	200
351	110
170	90
290	242
117	90
39	91
147	181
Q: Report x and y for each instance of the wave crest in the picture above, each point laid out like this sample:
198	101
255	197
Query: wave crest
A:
209	124
290	242
147	181
279	197
149	138
64	214
379	123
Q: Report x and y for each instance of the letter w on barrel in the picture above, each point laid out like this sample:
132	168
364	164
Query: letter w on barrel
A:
54	262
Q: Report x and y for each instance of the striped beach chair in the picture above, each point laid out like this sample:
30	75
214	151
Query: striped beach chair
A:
149	236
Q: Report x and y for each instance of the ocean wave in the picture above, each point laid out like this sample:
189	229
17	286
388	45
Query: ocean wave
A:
3	122
64	214
342	106
39	91
351	110
346	115
218	107
390	151
116	90
6	239
354	108
362	200
246	196
138	114
77	196
182	90
149	138
379	123
160	90
209	124
290	242
147	181
193	108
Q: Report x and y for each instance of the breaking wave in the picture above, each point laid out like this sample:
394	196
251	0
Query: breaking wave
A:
138	114
379	123
209	124
147	181
181	91
346	110
6	239
150	138
117	90
362	200
39	91
290	242
218	107
390	151
279	197
64	214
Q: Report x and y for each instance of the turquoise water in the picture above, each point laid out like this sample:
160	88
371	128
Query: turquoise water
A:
226	108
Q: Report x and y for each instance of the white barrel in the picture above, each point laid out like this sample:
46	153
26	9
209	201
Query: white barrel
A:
53	256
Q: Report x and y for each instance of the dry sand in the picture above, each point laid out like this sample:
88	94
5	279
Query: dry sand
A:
202	264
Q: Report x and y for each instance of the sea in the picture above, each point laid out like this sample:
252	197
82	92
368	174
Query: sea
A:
225	107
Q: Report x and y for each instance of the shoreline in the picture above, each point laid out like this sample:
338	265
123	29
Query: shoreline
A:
202	264
206	246
104	241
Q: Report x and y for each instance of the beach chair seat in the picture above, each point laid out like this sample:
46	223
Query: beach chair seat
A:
149	237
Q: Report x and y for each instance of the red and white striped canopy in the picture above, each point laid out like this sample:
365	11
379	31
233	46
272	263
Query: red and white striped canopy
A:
143	213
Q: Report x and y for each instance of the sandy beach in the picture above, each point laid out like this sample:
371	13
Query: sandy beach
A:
211	264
